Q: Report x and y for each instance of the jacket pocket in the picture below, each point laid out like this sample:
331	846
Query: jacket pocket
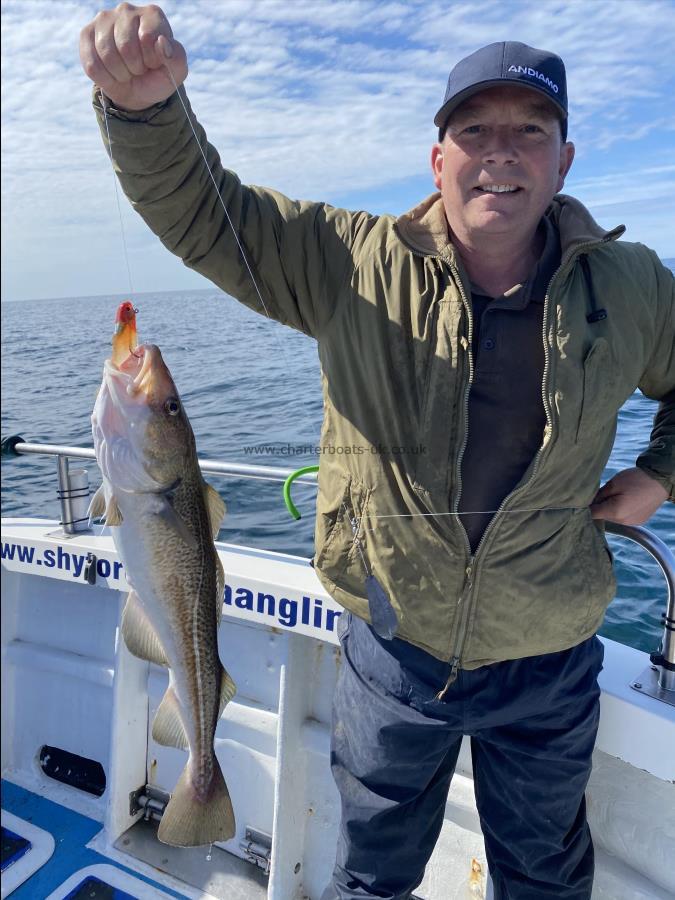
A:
597	569
330	512
598	388
337	551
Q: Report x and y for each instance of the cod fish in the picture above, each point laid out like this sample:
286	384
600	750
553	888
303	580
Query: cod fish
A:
165	518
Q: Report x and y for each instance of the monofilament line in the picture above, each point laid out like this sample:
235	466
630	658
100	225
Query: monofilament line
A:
117	196
476	512
283	348
222	202
472	512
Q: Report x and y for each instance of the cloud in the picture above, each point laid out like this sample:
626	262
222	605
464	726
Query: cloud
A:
317	99
623	186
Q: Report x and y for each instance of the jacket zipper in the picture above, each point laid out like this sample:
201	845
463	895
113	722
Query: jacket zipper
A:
466	597
464	600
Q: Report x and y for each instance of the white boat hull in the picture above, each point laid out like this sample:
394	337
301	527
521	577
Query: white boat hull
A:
69	682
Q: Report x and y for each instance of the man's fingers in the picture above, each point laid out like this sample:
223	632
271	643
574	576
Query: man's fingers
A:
126	52
91	62
175	61
607	490
154	34
602	509
104	44
610	508
164	47
631	497
620	510
129	45
158	50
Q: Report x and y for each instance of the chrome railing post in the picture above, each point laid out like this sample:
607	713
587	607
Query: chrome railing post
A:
667	649
73	494
661	684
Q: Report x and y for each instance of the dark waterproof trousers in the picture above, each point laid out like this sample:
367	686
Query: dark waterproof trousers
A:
532	723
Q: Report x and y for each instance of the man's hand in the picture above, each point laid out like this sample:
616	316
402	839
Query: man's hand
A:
125	51
630	498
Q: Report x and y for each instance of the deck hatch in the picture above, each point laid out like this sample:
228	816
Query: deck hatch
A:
93	888
69	768
14	846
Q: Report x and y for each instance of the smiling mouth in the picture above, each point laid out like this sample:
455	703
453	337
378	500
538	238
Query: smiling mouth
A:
498	188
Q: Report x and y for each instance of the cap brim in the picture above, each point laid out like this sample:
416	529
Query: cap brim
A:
443	113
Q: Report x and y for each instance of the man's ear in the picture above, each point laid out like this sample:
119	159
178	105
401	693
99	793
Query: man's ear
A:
437	164
566	159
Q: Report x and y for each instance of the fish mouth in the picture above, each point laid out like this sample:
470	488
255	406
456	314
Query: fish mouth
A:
140	372
126	411
123	379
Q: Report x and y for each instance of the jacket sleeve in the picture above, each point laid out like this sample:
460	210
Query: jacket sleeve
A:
658	383
299	253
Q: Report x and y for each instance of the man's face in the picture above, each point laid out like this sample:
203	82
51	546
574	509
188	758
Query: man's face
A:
504	137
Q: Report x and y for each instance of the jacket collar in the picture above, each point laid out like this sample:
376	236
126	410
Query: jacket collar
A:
424	229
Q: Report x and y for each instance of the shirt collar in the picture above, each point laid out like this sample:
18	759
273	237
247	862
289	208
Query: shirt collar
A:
533	290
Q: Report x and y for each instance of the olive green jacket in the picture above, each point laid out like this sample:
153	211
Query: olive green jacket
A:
387	303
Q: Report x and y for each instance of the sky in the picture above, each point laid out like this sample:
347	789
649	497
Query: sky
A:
321	99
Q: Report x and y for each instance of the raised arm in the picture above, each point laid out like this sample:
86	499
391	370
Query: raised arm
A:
299	253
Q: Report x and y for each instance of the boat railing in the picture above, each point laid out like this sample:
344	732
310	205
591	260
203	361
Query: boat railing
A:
73	485
657	680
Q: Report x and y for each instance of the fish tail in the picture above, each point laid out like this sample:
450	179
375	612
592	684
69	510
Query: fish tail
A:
193	820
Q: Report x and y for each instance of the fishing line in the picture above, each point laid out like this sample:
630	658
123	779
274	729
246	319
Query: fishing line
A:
117	196
222	202
473	512
284	348
458	515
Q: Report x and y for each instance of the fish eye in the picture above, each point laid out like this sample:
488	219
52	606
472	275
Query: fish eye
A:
172	406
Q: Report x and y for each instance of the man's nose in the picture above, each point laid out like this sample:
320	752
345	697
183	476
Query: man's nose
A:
500	147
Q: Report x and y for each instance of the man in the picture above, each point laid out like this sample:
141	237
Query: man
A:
498	326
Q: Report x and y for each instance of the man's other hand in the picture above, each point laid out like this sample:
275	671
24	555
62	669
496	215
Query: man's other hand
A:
630	498
125	51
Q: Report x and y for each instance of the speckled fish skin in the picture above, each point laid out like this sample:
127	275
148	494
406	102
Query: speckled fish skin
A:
164	518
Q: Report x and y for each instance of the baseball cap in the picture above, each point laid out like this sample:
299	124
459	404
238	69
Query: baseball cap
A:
506	62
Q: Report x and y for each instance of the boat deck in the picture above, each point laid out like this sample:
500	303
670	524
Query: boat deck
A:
62	860
73	870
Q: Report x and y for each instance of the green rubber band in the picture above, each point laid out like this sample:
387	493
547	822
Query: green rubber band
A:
290	506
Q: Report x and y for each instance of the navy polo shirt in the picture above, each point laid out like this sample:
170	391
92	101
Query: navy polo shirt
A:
506	409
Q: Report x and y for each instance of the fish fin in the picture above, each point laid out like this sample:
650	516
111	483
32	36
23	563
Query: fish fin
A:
191	820
138	633
227	691
174	521
167	727
220	590
215	506
97	504
113	514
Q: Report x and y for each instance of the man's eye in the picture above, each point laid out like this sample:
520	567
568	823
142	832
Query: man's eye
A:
473	129
531	129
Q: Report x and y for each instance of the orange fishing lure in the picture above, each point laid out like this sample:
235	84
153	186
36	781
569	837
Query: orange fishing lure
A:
125	336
